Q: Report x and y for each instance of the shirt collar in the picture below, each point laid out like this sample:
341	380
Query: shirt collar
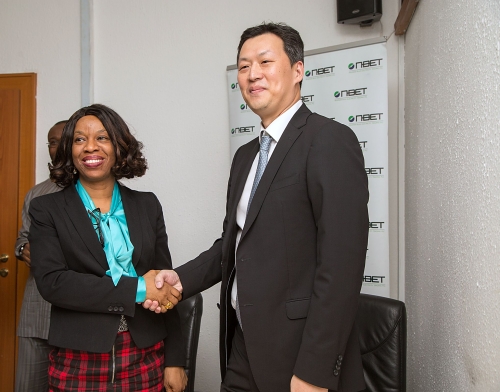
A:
277	127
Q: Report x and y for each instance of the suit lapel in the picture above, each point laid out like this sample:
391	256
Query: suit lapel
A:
291	133
133	222
79	217
240	177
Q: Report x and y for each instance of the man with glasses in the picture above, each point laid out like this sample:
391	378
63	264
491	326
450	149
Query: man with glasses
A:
33	328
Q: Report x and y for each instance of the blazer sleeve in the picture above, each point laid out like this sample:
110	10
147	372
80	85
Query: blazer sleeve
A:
65	288
338	192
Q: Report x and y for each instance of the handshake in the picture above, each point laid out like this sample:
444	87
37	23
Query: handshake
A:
163	290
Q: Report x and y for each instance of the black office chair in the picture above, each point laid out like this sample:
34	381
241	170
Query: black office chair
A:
382	337
190	311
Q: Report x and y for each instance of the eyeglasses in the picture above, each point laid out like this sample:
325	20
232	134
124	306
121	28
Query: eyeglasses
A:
53	144
96	214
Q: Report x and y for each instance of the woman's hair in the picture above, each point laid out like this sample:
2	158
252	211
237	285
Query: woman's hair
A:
129	163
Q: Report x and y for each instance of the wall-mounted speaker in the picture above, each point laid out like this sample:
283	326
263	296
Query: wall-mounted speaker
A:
362	12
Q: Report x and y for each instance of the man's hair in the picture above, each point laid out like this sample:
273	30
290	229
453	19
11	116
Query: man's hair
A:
292	43
129	163
60	122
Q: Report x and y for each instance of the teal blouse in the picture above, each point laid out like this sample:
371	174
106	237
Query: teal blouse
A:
112	231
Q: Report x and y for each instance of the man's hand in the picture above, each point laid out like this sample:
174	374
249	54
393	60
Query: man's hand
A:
26	255
164	276
298	385
174	379
166	297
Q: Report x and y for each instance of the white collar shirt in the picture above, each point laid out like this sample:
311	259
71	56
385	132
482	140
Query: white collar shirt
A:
275	130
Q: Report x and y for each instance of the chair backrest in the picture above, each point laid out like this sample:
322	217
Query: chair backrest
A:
382	337
190	311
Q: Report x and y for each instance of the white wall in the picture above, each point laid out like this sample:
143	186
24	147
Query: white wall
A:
452	196
161	65
44	37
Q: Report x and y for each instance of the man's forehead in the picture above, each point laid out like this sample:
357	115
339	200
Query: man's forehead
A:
264	43
56	131
259	54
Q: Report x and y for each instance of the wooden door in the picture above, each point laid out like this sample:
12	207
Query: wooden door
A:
17	173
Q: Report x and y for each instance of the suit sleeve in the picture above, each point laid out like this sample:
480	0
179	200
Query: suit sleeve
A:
22	237
79	291
338	192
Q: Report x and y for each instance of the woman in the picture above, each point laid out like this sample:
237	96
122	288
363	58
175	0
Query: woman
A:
95	249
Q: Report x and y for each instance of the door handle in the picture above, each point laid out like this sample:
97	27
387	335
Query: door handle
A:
4	272
4	258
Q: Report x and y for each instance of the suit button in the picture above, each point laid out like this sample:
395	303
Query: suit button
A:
115	308
335	373
121	309
337	367
339	362
110	309
340	358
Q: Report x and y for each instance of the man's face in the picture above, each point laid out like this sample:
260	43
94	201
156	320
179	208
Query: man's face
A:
268	83
54	137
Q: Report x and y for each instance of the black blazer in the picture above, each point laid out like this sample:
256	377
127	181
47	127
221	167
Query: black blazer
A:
69	265
300	258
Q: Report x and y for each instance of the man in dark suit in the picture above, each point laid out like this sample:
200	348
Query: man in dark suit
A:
33	328
292	252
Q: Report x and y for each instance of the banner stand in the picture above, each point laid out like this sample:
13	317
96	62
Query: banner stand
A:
347	83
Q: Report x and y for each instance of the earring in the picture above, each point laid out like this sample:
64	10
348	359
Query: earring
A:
74	171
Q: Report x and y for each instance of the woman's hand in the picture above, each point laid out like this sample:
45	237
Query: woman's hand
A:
174	379
168	277
167	296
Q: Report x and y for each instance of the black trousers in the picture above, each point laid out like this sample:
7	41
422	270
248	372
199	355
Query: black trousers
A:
238	375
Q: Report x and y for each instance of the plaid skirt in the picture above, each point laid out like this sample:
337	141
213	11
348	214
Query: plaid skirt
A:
126	368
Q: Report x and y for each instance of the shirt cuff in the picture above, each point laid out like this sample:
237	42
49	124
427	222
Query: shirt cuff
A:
17	251
141	290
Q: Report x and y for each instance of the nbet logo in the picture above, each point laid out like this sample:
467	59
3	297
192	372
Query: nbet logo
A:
365	64
351	93
248	129
376	225
373	279
366	117
319	71
374	170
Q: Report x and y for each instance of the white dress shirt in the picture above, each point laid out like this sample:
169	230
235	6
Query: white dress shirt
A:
275	130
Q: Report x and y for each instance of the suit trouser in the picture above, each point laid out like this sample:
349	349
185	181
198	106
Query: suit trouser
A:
238	374
32	365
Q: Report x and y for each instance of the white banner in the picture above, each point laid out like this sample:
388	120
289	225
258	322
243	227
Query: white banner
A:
348	85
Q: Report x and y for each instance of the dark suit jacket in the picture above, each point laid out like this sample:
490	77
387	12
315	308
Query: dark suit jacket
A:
70	266
300	259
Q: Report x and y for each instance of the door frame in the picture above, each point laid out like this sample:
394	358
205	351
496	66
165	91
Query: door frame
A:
26	84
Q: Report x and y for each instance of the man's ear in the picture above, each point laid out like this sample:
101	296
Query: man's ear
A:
298	71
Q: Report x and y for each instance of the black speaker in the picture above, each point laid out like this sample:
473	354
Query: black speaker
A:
362	12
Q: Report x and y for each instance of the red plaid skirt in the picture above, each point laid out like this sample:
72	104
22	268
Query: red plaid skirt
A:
126	368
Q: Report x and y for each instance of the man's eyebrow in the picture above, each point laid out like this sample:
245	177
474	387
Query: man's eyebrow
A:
264	52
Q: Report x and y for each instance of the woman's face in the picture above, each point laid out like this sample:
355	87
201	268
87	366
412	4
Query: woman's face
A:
93	152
